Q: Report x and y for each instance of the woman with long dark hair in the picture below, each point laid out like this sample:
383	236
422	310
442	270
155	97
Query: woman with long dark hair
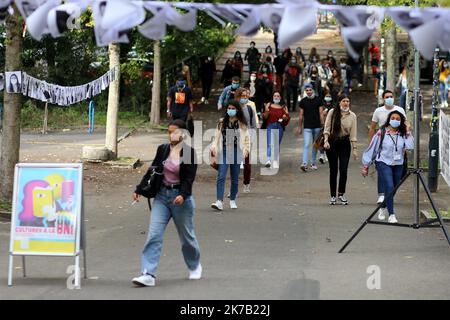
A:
173	201
387	150
276	118
231	145
339	141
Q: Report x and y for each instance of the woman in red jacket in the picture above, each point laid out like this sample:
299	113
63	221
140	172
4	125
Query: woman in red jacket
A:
276	117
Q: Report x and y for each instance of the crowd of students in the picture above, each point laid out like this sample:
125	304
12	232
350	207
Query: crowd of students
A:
267	101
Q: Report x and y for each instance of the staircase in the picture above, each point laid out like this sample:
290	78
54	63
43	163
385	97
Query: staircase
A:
323	40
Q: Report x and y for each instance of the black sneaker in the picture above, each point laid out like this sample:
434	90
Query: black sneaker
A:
321	160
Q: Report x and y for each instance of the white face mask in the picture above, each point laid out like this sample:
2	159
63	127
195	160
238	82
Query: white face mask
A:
253	78
345	109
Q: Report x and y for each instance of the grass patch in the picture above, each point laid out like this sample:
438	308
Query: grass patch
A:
444	213
66	117
5	206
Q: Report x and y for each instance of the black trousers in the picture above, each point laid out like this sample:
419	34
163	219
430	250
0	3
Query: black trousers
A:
291	92
338	158
206	87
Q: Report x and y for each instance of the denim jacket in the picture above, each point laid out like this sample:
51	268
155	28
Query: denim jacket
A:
388	149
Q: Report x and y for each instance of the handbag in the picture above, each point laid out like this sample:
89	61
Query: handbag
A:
151	182
320	140
213	161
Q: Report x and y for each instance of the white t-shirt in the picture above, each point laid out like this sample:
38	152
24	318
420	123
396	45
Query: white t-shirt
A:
381	114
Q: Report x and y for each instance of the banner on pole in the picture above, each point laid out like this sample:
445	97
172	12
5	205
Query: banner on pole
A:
47	209
444	146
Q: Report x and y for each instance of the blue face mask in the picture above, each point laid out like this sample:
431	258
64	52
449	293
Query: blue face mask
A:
243	101
276	101
389	102
235	85
181	84
232	112
395	123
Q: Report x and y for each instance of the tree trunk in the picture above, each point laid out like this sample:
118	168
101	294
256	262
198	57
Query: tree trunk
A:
391	56
156	89
113	103
12	105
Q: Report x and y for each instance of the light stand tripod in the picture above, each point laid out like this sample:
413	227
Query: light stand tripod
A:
416	172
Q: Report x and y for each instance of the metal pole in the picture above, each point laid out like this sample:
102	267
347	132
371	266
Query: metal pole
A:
416	128
433	142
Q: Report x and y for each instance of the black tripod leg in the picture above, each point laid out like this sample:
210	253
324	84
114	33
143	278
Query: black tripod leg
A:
373	213
435	208
360	228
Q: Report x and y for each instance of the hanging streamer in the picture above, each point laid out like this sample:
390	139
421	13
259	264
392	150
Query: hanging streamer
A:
293	20
60	95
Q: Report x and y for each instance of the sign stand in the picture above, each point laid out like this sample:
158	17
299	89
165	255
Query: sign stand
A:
80	232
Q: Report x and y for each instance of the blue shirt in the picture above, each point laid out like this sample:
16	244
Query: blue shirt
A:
392	150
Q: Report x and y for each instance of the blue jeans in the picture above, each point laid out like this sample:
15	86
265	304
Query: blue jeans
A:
443	91
391	177
183	215
272	127
222	174
403	98
309	135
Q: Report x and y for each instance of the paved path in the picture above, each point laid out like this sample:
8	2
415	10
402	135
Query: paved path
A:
281	243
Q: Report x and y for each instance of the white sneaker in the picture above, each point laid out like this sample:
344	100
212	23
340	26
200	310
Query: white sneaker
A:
380	199
333	201
392	219
276	165
445	104
196	274
242	166
206	102
343	200
246	188
218	205
233	204
268	164
381	214
145	280
202	100
313	167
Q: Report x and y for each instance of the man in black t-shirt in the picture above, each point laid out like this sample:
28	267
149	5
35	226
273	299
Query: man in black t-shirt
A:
179	100
179	103
311	119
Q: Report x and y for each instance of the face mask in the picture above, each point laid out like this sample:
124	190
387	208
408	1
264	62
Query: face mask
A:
235	85
181	84
243	101
343	65
328	99
276	101
345	109
293	61
389	102
253	78
299	51
395	123
232	112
